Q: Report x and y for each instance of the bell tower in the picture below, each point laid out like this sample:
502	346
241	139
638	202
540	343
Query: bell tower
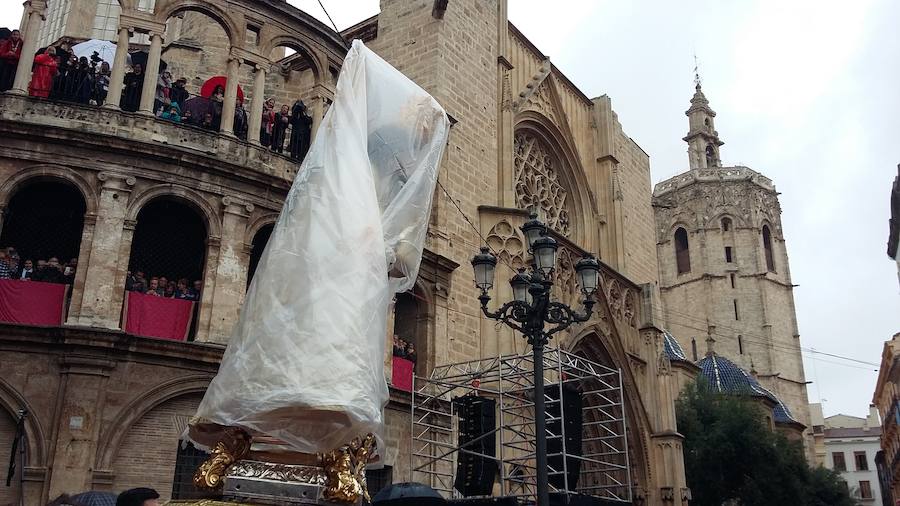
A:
702	137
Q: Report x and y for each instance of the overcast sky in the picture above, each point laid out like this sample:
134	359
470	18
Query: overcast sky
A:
806	93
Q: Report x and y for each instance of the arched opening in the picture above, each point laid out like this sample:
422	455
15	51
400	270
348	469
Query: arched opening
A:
43	223
711	156
682	251
8	433
287	120
406	315
158	429
192	86
726	224
260	239
168	252
767	248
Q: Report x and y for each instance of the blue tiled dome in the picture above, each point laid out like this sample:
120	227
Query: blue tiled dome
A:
672	349
724	376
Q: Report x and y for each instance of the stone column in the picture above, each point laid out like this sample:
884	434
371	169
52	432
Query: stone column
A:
151	74
256	105
231	86
84	256
81	400
317	108
116	79
101	284
231	270
34	10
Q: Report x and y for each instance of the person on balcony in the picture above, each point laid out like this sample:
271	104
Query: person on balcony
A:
10	51
240	121
101	84
178	93
6	271
26	271
198	289
411	352
80	81
301	126
45	65
172	113
279	130
208	123
153	287
268	123
216	101
131	95
182	291
163	90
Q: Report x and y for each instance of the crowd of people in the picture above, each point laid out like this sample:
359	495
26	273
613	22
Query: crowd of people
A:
58	74
404	349
161	286
50	270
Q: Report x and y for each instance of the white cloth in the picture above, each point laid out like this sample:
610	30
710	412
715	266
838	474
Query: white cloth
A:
305	362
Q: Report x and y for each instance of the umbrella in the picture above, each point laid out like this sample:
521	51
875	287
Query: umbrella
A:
210	85
95	498
408	494
140	57
105	49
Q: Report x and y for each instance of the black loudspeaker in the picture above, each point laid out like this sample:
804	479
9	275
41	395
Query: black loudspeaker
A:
571	409
477	419
486	501
560	499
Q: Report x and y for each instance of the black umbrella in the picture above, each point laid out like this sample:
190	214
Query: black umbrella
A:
142	56
5	33
408	494
93	498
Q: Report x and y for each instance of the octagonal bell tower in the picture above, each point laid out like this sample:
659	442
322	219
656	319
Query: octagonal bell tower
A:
723	264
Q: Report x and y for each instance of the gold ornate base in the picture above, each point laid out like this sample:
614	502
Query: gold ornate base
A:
336	477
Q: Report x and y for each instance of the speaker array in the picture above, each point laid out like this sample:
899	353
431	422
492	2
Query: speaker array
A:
477	419
571	408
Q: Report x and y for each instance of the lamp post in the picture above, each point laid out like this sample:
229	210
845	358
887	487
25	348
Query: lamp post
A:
531	310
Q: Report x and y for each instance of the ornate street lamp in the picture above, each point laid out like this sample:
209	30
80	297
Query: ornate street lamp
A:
530	310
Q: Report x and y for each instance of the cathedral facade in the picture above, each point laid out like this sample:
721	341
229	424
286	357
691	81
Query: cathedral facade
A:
725	279
106	406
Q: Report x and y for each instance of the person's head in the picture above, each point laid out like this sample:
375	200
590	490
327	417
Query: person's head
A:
167	75
396	340
219	90
42	264
104	67
15	35
137	68
271	103
285	109
51	51
181	82
198	285
53	263
170	286
163	281
154	283
29	265
73	262
4	257
83	61
173	111
187	115
207	118
182	284
73	60
410	348
138	497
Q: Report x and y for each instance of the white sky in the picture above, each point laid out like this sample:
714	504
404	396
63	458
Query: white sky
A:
806	92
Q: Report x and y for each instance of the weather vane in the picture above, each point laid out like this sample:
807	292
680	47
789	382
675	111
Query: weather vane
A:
696	71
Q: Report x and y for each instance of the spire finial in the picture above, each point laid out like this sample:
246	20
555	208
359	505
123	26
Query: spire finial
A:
696	72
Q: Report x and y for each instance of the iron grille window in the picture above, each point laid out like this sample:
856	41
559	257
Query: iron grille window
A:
187	461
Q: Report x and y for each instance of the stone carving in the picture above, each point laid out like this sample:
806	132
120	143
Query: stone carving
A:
622	300
508	243
540	101
565	284
537	182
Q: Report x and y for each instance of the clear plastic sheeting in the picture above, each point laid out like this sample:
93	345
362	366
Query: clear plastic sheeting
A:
305	364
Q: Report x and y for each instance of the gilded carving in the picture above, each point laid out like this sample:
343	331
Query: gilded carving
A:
345	471
537	182
234	446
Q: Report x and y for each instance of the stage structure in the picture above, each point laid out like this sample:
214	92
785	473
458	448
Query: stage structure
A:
595	459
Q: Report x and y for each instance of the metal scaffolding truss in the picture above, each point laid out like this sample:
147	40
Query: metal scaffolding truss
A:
509	381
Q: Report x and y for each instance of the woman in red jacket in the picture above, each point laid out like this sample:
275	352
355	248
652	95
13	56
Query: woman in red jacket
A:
42	77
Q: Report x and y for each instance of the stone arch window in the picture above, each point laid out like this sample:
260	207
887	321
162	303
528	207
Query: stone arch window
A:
706	122
767	247
44	220
710	156
682	251
260	239
726	224
538	183
408	329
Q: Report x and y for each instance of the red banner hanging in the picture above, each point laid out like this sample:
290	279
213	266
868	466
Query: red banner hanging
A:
152	316
32	302
402	373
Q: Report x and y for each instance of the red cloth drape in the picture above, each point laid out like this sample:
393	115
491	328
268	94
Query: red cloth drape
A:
151	316
402	373
32	302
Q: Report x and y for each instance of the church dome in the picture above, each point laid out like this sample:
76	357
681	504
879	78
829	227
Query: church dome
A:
725	377
672	349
